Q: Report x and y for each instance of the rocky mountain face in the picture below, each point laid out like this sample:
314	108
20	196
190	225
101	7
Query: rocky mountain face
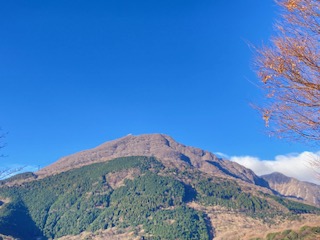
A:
293	188
164	148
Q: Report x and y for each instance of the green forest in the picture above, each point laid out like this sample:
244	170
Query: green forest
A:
155	198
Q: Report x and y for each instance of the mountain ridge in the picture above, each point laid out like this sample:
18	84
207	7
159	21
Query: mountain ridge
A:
294	188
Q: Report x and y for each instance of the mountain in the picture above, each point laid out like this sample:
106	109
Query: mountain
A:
148	187
293	188
160	146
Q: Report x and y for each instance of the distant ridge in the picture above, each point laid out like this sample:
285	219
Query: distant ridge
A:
291	187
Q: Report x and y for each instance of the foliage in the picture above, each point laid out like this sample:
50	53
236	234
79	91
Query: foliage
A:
296	207
134	203
304	233
290	71
230	195
82	199
154	200
19	176
179	223
17	213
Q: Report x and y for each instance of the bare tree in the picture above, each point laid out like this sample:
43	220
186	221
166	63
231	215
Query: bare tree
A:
6	172
2	144
290	72
315	164
3	172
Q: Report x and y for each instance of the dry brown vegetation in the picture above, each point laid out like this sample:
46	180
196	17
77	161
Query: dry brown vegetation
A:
116	180
4	201
230	225
290	71
113	233
227	225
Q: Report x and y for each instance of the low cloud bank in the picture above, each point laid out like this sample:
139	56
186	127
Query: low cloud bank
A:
291	165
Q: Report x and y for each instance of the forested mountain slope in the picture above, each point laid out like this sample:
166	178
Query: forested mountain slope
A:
136	195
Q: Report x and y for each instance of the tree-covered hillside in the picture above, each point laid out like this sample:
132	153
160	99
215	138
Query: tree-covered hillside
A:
130	193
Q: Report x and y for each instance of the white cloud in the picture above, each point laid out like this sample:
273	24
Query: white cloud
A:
292	165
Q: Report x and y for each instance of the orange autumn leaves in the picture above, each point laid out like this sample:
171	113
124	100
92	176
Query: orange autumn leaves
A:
290	71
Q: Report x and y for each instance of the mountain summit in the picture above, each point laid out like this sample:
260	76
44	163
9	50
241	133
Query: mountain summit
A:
160	146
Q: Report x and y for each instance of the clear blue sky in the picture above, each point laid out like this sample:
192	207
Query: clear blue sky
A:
74	74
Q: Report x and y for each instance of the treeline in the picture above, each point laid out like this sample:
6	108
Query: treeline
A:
229	195
296	207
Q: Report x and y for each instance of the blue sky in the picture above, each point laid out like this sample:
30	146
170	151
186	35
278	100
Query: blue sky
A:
74	74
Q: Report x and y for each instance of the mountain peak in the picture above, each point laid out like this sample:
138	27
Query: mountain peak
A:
171	153
154	138
291	187
161	146
277	177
